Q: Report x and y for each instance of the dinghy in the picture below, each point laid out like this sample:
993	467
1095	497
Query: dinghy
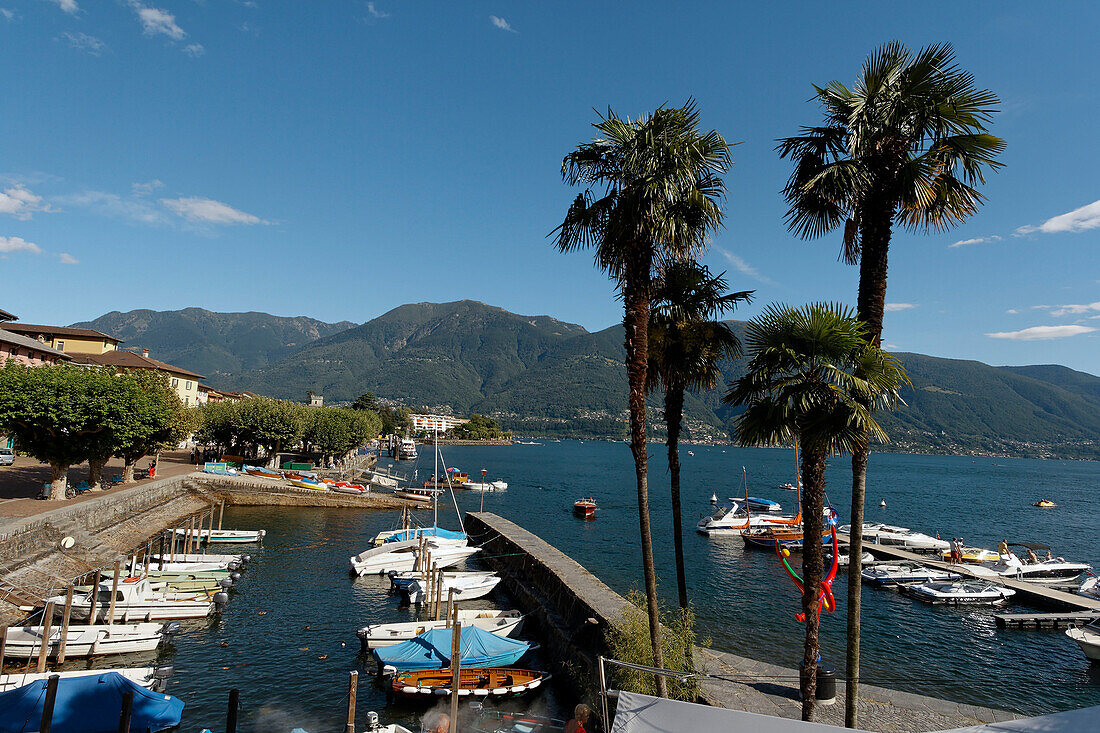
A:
501	623
962	592
224	536
1088	638
401	581
151	678
475	683
25	642
262	472
432	650
585	508
465	589
307	483
402	556
135	599
890	574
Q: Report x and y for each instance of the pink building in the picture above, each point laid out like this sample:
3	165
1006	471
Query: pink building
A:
26	350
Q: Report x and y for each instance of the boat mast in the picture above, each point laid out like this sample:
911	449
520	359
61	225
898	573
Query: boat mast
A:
435	482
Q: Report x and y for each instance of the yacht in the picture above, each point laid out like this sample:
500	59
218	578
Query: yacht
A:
407	450
889	574
962	592
1088	638
885	534
1091	587
1055	571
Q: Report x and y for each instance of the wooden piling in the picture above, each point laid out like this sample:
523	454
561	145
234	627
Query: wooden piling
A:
439	595
127	710
450	606
114	593
210	527
92	598
65	625
47	705
353	683
3	644
163	549
221	512
44	650
456	668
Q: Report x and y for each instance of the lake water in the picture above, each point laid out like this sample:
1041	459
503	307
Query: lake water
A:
289	631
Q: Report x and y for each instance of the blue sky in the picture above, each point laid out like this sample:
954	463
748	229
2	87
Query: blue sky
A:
340	158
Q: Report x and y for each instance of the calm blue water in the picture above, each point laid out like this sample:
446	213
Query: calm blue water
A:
297	603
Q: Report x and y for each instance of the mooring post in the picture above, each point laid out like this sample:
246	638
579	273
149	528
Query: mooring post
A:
92	598
439	595
127	709
64	626
221	512
47	623
231	715
456	672
47	705
210	528
353	683
187	537
3	643
163	549
114	592
451	615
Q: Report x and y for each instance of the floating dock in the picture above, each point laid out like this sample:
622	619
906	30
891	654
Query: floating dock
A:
1044	620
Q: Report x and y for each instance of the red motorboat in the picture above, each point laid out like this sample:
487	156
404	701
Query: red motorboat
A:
585	508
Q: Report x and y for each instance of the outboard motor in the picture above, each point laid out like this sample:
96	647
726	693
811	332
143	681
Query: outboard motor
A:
235	576
161	675
233	565
226	583
170	628
221	598
372	722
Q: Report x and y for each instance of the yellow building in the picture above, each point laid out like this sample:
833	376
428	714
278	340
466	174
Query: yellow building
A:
66	339
186	383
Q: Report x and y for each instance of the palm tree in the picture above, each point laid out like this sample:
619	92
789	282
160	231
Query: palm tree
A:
907	145
685	346
812	375
661	182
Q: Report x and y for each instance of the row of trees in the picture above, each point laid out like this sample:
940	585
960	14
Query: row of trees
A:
907	144
65	415
480	427
262	423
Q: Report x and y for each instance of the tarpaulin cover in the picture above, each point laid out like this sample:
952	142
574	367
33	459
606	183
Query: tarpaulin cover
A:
90	704
638	713
432	650
410	534
1082	720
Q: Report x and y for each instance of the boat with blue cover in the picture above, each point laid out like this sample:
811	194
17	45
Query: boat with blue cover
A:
415	533
762	505
88	704
432	650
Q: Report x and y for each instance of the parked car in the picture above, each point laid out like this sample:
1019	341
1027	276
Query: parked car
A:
7	456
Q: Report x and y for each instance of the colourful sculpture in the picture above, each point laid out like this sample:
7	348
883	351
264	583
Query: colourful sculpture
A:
825	599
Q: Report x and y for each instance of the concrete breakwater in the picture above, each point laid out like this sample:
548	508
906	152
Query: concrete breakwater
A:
33	565
572	610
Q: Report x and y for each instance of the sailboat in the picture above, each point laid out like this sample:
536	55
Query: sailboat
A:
737	517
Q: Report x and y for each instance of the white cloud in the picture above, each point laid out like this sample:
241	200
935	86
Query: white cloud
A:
376	12
744	267
1078	220
67	259
84	42
155	20
1070	310
975	240
502	24
1042	333
112	205
892	307
69	6
207	211
8	13
9	245
19	202
144	189
1012	311
194	50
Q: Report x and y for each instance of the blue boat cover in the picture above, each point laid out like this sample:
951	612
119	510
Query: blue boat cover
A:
412	534
432	650
88	704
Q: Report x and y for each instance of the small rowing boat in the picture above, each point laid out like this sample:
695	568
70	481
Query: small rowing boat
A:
585	508
501	623
413	493
307	483
258	472
151	678
477	683
225	536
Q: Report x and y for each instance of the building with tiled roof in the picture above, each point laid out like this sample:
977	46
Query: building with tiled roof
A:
66	338
16	347
183	381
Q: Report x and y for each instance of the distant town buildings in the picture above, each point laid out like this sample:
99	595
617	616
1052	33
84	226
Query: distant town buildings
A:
431	423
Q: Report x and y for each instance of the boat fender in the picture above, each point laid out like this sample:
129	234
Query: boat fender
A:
517	689
463	693
246	558
233	565
442	691
409	690
533	684
481	692
500	691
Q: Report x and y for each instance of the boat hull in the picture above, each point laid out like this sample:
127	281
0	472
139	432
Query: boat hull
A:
1088	640
475	683
144	676
376	636
25	642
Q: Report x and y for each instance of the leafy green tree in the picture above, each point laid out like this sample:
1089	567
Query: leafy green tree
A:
270	424
118	399
218	422
811	377
685	346
335	431
907	145
480	427
659	184
51	412
395	420
365	401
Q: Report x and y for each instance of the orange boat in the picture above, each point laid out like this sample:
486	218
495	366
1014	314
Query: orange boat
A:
474	682
585	508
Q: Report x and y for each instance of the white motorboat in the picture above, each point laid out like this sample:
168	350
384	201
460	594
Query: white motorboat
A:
961	592
757	504
732	519
400	579
135	599
152	678
885	534
1091	587
889	574
497	485
844	560
501	623
465	589
373	726
402	556
1088	638
25	642
418	494
225	536
1055	571
384	480
407	450
202	558
183	568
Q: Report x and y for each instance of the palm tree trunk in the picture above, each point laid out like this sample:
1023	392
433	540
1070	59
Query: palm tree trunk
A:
636	322
875	230
674	412
813	501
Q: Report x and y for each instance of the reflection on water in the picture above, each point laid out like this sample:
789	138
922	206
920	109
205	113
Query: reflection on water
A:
289	632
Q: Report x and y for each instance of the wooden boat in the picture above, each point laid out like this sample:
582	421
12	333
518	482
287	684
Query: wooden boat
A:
262	472
25	642
585	508
495	682
501	623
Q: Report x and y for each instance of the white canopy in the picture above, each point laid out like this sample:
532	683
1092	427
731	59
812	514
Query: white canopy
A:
1084	720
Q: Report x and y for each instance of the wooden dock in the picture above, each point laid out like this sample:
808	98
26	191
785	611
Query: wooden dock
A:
1035	593
1044	620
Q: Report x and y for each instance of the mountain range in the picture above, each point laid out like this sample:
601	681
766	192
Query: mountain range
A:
541	376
